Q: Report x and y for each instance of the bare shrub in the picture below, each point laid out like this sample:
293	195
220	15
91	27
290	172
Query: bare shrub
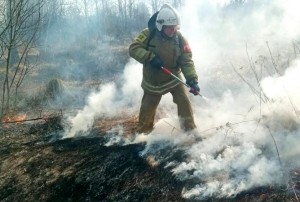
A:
53	89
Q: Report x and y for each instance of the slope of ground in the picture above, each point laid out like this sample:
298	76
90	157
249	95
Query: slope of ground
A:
36	166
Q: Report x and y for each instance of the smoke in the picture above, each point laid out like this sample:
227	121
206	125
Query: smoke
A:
246	63
108	101
248	70
98	104
285	86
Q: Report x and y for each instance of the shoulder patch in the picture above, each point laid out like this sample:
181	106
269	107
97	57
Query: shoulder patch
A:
186	47
141	38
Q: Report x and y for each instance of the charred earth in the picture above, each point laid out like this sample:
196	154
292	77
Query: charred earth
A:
36	165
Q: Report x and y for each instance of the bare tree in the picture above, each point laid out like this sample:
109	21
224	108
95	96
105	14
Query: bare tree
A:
155	5
177	3
20	22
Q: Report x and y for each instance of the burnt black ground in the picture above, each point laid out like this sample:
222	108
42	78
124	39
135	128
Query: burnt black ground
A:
37	167
79	169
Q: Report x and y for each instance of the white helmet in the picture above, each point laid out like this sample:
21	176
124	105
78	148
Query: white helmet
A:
167	16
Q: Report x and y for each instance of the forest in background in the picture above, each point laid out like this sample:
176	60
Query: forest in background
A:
36	33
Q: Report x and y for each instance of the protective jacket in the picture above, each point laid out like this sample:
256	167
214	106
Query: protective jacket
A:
175	53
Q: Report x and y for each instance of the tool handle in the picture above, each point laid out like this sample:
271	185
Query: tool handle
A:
165	70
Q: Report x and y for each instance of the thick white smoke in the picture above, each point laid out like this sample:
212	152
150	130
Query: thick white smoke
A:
108	101
248	66
98	104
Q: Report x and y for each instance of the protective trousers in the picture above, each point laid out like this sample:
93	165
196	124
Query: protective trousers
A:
149	106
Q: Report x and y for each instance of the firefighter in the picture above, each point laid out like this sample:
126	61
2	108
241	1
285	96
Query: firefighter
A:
164	46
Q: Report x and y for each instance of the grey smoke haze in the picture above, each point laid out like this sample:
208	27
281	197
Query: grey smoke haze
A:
109	101
236	68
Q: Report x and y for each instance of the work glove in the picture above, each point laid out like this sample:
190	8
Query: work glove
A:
156	63
193	83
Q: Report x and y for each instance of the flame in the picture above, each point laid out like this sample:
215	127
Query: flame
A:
16	119
21	118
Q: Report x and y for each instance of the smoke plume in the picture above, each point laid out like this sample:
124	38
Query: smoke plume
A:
247	60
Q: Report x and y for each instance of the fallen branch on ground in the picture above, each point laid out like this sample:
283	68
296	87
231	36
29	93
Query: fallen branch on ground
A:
26	120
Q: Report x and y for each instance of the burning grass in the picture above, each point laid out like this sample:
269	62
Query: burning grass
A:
14	119
35	168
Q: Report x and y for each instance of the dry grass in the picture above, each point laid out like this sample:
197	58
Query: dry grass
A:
127	122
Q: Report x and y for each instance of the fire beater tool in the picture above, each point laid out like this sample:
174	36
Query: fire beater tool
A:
167	71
